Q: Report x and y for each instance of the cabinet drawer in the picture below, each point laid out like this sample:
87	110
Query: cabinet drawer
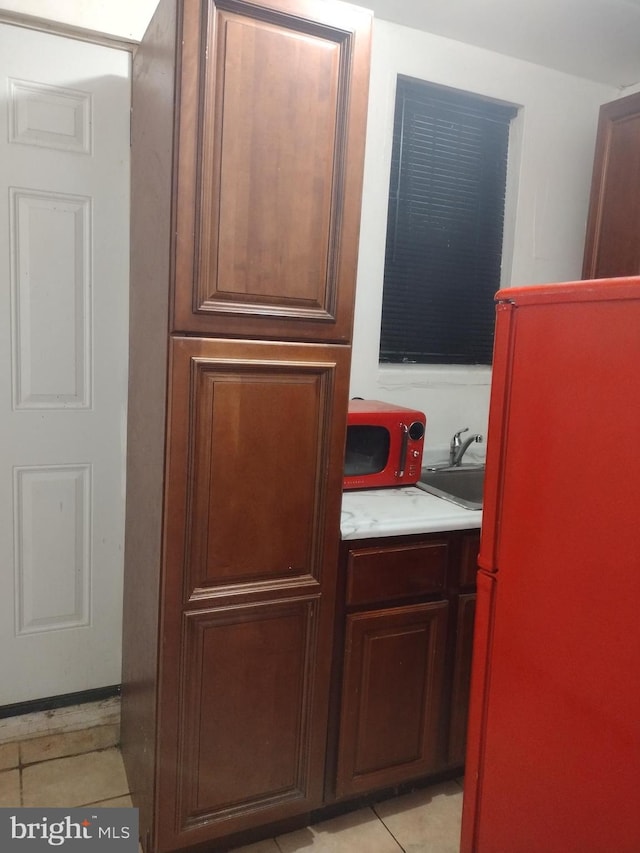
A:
383	574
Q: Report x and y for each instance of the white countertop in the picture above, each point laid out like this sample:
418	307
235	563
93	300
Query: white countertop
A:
368	513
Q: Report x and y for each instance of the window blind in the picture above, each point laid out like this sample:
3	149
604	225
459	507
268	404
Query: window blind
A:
445	224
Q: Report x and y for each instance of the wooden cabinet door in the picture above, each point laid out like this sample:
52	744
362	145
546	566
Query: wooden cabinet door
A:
613	228
459	711
270	168
469	548
252	514
392	696
248	728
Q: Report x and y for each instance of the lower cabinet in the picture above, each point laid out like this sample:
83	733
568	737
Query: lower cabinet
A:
392	696
461	679
402	660
462	644
248	746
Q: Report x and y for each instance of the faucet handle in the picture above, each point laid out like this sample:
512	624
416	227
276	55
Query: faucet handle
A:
455	441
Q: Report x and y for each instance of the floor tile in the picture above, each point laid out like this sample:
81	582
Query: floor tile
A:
426	821
9	788
69	743
9	756
356	832
75	781
267	846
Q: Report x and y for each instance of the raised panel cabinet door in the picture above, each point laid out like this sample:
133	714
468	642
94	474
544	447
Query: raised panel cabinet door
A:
461	682
257	442
613	228
392	696
245	751
270	166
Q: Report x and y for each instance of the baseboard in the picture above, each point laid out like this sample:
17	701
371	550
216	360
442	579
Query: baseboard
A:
57	714
49	703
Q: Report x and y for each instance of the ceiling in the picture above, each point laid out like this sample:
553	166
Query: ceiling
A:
596	39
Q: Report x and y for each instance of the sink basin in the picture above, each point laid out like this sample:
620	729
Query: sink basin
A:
461	485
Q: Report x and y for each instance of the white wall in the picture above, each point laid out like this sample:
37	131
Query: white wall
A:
549	183
126	19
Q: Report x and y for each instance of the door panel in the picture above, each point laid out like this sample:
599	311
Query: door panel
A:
246	744
268	221
274	170
255	456
262	446
392	696
64	245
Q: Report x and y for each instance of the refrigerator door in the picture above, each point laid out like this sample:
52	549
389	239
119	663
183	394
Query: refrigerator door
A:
554	733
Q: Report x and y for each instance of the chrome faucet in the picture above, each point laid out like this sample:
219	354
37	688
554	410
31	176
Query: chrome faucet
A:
458	448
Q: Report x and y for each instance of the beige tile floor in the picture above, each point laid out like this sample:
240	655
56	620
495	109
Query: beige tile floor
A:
73	769
85	768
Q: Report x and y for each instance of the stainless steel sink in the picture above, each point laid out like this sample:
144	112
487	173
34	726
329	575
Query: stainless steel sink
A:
462	485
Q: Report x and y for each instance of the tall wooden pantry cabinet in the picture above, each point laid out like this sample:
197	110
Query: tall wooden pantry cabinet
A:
248	139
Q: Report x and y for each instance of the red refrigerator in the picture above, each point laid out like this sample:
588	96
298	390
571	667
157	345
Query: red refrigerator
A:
553	756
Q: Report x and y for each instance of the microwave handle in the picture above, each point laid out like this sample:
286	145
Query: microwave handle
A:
403	450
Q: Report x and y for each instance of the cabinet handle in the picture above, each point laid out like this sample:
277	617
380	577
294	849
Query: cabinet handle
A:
403	450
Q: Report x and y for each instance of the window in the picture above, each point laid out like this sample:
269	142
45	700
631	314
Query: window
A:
444	229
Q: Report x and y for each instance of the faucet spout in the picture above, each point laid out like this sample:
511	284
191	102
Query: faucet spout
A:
458	448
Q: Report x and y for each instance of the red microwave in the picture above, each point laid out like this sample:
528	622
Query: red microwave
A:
384	445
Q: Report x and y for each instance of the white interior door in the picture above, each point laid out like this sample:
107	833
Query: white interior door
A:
64	200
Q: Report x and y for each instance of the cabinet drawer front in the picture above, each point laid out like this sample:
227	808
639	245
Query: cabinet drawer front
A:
383	574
